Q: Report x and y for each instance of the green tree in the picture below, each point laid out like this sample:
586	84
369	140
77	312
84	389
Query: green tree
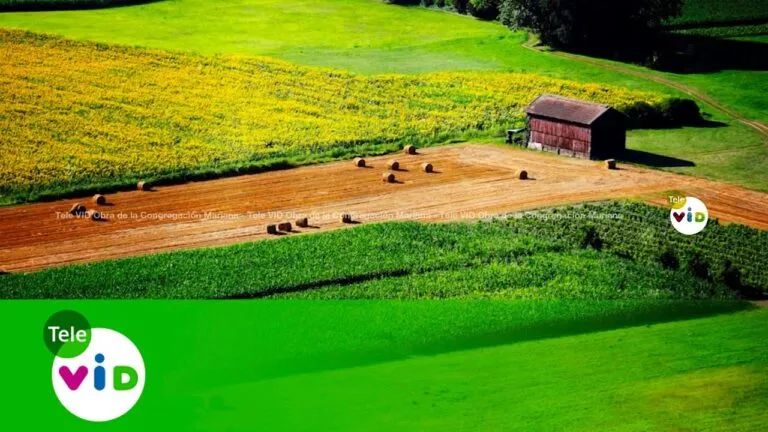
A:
484	9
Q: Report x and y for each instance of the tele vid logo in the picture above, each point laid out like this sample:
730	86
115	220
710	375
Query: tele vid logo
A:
98	374
688	215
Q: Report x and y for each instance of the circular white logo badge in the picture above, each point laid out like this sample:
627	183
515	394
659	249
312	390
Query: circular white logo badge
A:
105	381
689	215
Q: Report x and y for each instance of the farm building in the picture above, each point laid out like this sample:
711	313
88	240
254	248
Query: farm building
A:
575	128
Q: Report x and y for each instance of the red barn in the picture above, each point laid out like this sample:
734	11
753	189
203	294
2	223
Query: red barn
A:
575	128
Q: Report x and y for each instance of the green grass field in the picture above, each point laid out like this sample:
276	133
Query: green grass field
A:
732	152
696	375
356	35
299	337
334	33
423	365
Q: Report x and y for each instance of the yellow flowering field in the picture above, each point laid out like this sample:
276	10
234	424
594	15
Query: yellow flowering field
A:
78	115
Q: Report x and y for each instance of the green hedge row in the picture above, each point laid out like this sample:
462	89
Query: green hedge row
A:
674	112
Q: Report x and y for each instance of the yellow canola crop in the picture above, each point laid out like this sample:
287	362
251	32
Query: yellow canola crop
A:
81	113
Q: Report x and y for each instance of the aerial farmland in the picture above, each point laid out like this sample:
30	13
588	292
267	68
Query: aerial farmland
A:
417	206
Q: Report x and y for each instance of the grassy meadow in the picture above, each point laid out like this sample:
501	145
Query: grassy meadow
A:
422	365
362	36
701	374
731	152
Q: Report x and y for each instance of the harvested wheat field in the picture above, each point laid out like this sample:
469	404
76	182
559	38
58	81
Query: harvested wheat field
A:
468	182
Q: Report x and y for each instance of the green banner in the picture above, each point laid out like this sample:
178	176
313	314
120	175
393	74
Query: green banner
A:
314	365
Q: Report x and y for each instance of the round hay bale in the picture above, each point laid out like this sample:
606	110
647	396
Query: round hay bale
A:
388	177
99	199
610	164
427	167
522	174
302	222
409	149
94	215
285	227
77	209
359	162
346	218
272	229
144	186
393	165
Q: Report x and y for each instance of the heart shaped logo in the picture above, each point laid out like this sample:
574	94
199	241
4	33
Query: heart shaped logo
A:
73	381
678	216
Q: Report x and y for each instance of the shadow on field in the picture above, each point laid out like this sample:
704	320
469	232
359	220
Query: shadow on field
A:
654	160
676	52
691	54
63	5
315	285
368	332
707	124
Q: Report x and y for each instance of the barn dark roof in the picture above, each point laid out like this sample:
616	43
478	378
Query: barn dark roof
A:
570	110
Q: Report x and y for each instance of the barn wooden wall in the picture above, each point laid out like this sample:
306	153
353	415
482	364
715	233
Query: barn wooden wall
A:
561	135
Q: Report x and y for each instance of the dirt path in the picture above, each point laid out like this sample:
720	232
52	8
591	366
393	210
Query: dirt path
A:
472	181
690	91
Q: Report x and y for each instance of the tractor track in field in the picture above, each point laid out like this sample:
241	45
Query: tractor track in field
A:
470	182
761	128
